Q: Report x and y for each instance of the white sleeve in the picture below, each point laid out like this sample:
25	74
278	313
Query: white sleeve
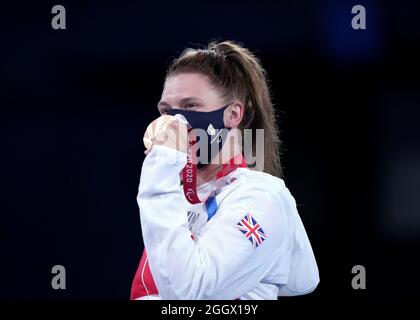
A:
221	263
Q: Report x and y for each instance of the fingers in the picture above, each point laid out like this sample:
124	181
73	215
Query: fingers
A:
169	132
146	152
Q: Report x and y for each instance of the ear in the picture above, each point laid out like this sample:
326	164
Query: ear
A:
233	115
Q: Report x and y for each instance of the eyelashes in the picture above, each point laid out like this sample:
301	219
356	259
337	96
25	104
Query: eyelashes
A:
164	110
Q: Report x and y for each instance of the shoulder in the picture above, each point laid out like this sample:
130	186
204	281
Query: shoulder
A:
264	196
255	186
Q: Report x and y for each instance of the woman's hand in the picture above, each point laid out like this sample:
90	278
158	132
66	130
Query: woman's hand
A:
167	131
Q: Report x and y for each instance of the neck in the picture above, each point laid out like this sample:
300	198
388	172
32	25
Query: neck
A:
207	173
230	150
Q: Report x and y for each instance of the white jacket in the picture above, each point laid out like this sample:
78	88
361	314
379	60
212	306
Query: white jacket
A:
192	258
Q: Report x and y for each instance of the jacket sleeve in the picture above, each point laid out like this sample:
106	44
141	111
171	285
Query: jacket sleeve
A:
221	262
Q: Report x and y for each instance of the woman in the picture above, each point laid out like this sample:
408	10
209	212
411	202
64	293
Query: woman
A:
245	240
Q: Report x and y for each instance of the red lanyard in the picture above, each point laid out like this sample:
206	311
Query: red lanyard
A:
189	173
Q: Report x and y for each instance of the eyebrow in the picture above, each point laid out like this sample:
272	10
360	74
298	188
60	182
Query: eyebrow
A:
182	102
162	104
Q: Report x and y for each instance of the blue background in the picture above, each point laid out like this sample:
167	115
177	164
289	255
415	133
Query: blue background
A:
75	104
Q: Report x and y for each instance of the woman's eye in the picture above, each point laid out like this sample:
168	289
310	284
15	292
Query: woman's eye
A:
189	105
164	110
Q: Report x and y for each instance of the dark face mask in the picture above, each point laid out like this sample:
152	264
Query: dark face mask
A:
210	122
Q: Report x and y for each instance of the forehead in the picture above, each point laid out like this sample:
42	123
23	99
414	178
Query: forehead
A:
184	85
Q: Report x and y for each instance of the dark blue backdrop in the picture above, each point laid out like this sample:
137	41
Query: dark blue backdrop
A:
75	103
